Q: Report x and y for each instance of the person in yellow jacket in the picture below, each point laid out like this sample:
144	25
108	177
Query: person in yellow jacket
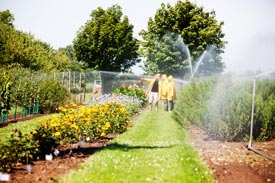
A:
164	91
171	95
153	91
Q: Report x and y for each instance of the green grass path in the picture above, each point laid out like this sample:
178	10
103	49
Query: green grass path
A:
154	150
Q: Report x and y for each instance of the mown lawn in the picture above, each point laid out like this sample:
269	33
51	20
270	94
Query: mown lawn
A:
154	150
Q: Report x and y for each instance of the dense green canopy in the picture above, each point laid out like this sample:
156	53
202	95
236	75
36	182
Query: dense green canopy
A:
106	41
19	48
174	28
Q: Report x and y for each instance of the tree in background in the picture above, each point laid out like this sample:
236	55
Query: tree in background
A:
19	48
68	50
106	41
199	30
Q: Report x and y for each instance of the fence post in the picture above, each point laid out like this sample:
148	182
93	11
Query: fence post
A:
69	81
15	110
29	110
80	86
84	90
23	111
37	107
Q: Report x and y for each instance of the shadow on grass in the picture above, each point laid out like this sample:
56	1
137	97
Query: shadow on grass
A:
126	147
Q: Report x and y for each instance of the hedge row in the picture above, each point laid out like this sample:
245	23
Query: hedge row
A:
222	106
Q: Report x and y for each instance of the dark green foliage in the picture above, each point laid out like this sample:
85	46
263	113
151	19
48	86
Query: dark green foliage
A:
21	148
5	91
46	140
193	100
17	47
265	110
106	41
229	110
223	108
198	29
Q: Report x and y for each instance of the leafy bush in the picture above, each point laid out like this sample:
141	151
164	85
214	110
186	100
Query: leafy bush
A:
52	95
193	100
21	148
222	106
228	113
5	91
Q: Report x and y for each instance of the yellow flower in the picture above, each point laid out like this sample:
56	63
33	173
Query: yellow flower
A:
57	134
104	128
102	134
108	125
74	126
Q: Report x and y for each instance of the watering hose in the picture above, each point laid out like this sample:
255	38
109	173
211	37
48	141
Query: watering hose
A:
261	153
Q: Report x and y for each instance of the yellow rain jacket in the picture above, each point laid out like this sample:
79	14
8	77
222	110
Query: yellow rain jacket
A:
171	89
164	87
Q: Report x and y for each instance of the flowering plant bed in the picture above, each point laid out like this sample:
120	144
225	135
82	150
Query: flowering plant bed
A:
76	124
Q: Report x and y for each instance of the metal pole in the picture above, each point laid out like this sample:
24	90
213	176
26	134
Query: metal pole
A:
252	115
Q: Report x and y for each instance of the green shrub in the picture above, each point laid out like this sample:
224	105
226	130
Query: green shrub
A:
21	148
5	91
193	100
52	95
223	107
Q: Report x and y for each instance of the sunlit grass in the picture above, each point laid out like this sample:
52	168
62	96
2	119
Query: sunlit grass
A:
24	126
154	150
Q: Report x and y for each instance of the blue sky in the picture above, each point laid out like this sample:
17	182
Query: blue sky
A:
249	24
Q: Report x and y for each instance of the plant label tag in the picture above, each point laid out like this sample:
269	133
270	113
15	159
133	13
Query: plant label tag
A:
29	168
49	157
80	143
56	152
4	177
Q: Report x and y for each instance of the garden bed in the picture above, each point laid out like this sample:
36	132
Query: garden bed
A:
45	171
232	161
229	161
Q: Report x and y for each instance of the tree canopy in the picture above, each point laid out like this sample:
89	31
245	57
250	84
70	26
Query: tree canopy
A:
106	41
174	28
20	48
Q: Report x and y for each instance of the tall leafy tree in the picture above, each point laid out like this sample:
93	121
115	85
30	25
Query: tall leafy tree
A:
20	48
68	51
189	24
106	41
6	18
